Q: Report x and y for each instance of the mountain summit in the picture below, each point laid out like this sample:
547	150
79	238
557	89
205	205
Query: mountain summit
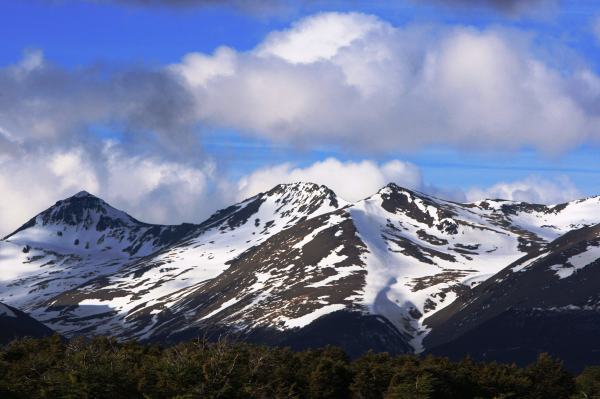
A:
82	211
86	224
399	271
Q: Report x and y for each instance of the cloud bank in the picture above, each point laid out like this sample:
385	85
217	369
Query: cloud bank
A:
532	189
45	104
158	191
150	188
167	192
352	181
347	79
357	81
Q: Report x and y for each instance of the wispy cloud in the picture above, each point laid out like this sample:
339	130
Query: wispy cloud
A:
532	189
595	28
253	7
508	7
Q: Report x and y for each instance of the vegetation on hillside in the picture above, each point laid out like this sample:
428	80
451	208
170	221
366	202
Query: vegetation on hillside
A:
103	368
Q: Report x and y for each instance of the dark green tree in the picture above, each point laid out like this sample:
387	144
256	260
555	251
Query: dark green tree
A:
588	383
549	379
420	386
372	375
330	379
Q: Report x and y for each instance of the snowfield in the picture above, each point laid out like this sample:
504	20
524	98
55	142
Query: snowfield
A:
279	260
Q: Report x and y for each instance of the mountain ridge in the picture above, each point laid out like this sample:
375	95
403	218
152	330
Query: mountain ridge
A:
16	324
275	267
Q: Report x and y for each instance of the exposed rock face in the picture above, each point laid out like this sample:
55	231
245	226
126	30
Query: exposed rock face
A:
284	267
548	301
16	324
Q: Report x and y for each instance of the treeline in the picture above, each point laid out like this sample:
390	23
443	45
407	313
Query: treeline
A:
103	368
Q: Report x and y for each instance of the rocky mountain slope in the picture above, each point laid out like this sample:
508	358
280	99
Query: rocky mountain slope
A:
295	265
16	324
548	301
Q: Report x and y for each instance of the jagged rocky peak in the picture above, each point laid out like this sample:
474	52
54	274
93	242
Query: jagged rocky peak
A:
86	210
301	189
83	194
418	206
393	187
512	207
393	190
81	211
304	193
283	204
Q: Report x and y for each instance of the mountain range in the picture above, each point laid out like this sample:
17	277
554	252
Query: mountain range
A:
399	271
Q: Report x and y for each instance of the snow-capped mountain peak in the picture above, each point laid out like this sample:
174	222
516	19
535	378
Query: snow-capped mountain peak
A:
309	199
82	211
82	194
84	224
271	266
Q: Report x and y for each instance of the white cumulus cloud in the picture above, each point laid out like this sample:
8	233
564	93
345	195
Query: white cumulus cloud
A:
149	188
318	38
350	180
162	191
533	189
348	79
358	81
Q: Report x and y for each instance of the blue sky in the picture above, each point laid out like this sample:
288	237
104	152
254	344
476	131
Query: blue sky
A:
89	90
82	32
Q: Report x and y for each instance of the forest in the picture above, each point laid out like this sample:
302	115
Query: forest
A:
105	368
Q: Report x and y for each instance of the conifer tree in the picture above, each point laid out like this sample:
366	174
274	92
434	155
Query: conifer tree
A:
419	387
549	379
330	380
588	383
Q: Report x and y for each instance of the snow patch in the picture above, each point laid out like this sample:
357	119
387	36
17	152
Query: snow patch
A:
310	317
577	262
223	306
6	311
528	263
